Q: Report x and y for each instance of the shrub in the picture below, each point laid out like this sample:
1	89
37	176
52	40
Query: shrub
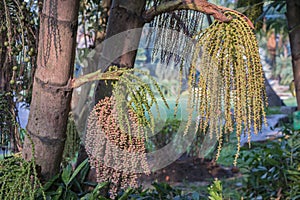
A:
272	170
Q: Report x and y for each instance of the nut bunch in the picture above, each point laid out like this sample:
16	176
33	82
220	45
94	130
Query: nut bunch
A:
117	156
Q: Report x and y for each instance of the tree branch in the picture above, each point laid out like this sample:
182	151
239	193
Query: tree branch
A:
198	5
95	76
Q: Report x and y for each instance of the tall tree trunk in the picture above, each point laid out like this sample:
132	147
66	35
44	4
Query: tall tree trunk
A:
293	17
124	16
50	104
121	11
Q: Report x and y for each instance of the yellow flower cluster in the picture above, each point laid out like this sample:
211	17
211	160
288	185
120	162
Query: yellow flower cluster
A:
230	93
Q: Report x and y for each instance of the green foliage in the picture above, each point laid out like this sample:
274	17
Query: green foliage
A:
19	178
227	154
72	142
273	110
272	11
163	191
215	190
70	184
277	9
284	69
272	169
160	191
290	102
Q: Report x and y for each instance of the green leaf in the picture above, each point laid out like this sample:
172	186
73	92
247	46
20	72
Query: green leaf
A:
70	195
89	183
87	196
59	192
47	185
196	196
65	176
84	173
77	170
264	176
99	186
126	194
78	185
272	169
291	172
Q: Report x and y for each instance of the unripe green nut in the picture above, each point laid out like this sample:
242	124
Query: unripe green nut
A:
20	47
15	68
26	59
12	82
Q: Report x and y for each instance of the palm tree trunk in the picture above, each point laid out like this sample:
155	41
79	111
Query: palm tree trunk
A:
124	15
129	11
50	104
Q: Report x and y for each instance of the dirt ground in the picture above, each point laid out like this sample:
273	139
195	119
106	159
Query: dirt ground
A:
187	169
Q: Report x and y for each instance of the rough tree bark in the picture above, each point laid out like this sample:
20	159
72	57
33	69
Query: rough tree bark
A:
293	18
50	102
124	15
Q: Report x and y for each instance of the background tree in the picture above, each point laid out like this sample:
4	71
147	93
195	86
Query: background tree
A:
293	17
